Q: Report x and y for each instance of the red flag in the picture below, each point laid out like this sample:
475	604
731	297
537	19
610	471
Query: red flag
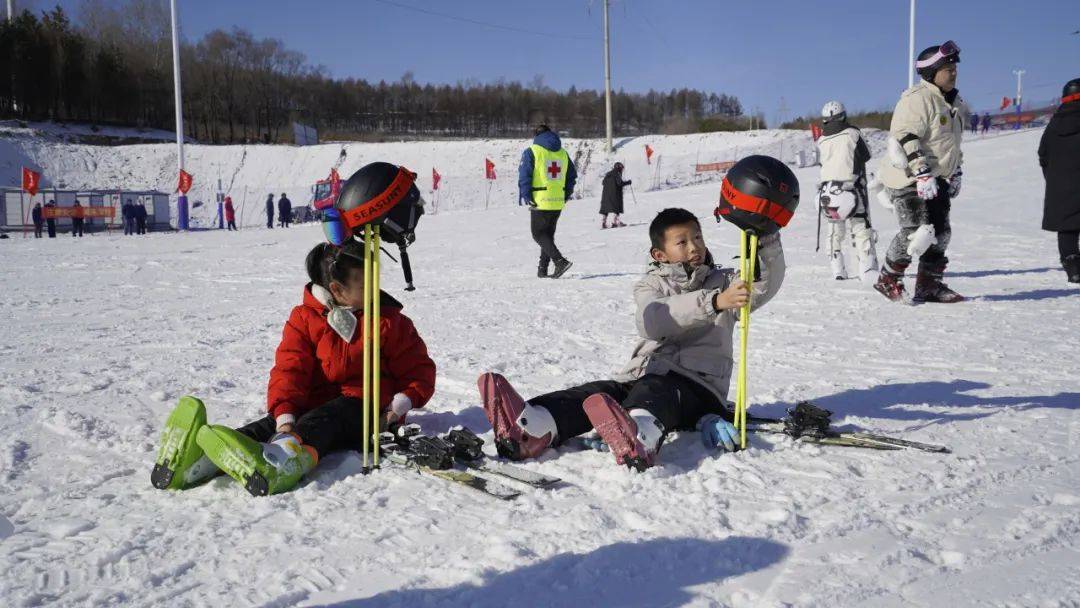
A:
435	177
185	182
30	181
815	131
1005	102
648	154
489	169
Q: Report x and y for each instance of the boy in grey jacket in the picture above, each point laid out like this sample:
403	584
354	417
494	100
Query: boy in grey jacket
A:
678	374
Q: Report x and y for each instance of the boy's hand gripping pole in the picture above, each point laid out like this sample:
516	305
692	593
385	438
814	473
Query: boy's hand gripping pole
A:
747	270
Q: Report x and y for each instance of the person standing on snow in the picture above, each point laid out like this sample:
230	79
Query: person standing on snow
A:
611	201
38	221
842	194
284	206
50	222
1059	157
985	122
546	178
974	123
270	211
77	215
230	213
922	176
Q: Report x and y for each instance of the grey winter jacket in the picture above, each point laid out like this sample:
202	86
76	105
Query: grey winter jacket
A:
680	329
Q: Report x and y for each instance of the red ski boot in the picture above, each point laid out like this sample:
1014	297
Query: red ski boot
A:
891	282
522	430
633	439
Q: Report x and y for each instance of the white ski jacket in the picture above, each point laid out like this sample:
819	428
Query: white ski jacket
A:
930	130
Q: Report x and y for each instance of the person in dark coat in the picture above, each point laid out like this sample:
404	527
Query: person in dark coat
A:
270	211
1059	157
230	213
611	201
139	211
39	222
284	207
974	123
50	222
128	211
985	122
77	215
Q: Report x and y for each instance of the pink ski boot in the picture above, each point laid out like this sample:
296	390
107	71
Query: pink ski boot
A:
522	430
633	437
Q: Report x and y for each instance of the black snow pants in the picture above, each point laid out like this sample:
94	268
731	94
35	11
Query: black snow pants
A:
543	224
677	402
334	426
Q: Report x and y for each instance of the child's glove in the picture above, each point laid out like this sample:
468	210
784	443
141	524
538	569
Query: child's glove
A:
399	406
926	185
717	432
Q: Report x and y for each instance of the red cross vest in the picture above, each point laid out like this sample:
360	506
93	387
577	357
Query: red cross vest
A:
549	178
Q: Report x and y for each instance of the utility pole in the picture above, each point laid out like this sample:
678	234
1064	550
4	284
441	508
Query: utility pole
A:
607	75
181	201
911	47
782	113
1019	90
10	9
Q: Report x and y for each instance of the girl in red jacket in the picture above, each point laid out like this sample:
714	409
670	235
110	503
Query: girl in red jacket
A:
316	388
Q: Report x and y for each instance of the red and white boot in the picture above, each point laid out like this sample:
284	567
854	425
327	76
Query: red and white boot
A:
634	437
522	430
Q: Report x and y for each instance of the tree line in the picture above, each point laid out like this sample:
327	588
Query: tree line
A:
114	67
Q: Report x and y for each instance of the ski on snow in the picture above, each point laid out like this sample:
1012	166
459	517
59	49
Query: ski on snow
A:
810	423
437	456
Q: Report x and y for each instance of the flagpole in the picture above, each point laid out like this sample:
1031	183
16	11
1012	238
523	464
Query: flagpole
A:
181	201
911	47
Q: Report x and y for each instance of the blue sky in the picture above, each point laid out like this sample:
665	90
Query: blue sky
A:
806	51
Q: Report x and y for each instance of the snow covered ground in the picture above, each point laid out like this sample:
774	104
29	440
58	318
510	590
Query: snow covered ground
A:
103	334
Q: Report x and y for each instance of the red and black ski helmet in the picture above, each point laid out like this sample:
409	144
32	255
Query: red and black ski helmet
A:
1071	91
385	195
759	193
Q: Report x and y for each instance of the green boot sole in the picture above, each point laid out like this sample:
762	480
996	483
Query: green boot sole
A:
180	462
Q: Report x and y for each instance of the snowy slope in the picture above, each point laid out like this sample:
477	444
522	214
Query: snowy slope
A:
249	172
102	335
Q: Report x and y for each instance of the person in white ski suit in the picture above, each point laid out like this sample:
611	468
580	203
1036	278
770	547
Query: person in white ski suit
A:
922	176
842	193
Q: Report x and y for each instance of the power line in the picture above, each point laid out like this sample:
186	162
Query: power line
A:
483	23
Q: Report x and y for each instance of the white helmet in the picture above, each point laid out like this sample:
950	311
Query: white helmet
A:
833	109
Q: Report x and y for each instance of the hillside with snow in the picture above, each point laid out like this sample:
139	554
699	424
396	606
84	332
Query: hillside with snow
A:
103	334
249	172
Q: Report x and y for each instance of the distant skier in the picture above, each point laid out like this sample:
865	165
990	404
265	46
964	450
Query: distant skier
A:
974	123
546	178
842	194
315	395
50	222
284	206
687	309
985	122
270	211
230	214
77	219
611	200
139	211
38	221
1059	157
923	175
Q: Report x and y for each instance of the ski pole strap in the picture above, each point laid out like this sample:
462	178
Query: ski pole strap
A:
406	267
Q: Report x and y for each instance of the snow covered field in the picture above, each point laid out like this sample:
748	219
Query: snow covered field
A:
102	335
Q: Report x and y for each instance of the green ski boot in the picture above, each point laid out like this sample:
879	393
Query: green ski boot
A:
263	468
180	462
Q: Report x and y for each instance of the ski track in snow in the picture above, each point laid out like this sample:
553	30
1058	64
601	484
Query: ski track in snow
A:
103	335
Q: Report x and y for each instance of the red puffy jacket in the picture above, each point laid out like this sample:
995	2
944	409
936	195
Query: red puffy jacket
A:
313	364
230	211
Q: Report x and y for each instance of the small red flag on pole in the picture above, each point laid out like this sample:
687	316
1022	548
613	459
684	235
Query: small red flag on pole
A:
489	169
435	177
648	154
815	131
1005	102
186	180
30	181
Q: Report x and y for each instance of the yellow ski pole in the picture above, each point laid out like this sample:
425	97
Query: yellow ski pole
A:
366	337
376	342
747	269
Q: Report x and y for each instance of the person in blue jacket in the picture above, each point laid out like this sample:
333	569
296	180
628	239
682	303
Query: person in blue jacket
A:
974	123
546	179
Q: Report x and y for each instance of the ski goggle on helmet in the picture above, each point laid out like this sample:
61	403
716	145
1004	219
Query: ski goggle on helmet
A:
948	52
334	228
